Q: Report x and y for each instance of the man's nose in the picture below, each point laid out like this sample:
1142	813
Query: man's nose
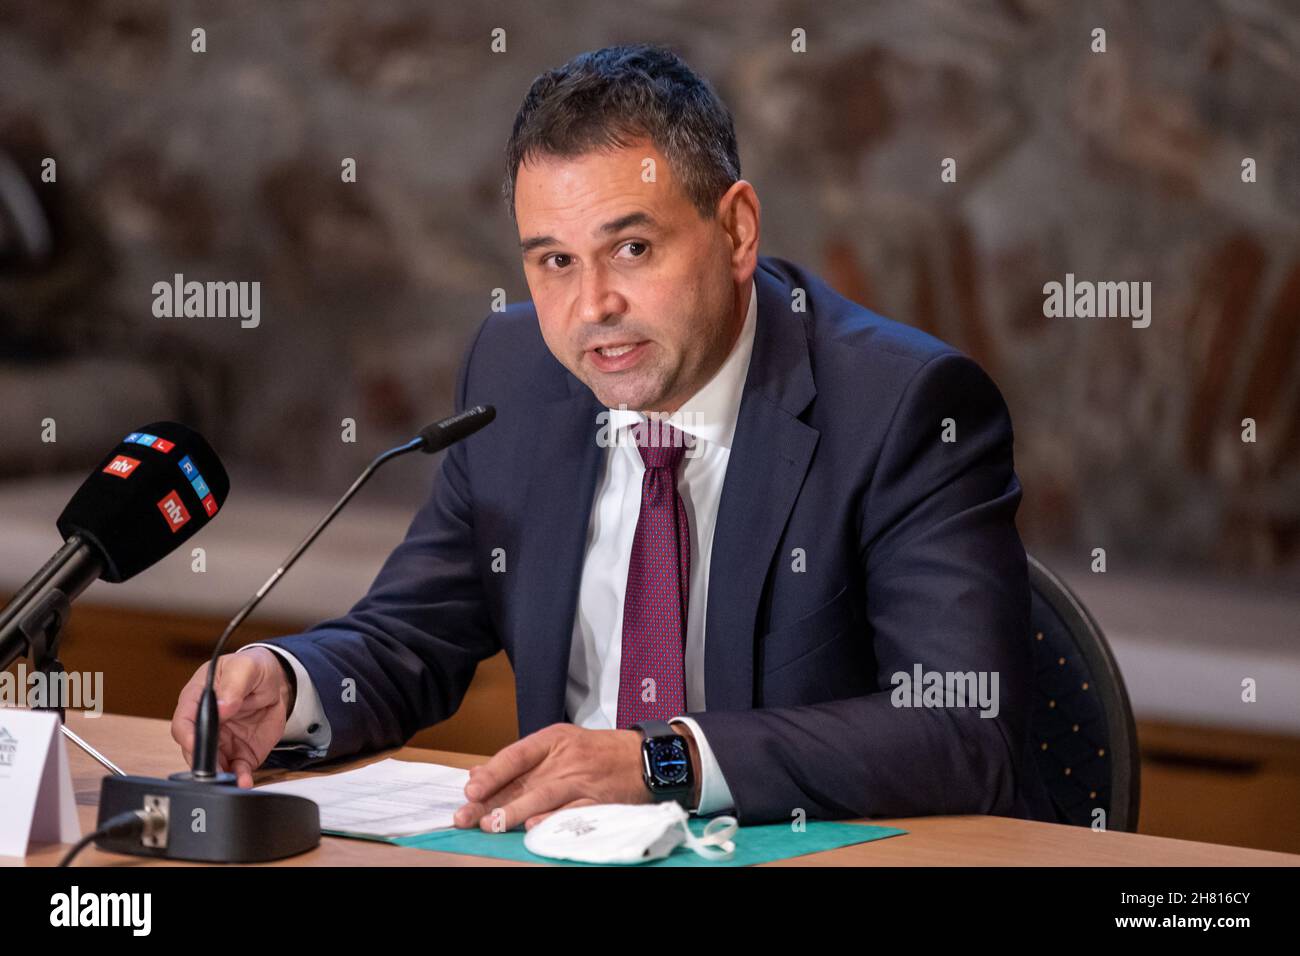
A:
598	298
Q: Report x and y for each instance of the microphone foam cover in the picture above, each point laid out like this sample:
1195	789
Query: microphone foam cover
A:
147	497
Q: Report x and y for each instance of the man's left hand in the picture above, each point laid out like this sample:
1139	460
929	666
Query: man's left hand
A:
557	767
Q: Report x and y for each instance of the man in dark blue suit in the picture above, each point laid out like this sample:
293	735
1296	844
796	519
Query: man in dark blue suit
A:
747	544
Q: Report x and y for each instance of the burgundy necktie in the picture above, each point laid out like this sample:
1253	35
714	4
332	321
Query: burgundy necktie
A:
654	607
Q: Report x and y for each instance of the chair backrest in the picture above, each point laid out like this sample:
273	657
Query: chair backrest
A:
1081	728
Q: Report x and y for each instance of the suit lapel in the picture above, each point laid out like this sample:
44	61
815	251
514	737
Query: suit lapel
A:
770	454
564	463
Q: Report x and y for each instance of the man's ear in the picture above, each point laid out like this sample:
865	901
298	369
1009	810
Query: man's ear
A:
740	215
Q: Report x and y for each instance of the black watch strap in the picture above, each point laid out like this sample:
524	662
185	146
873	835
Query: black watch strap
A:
654	728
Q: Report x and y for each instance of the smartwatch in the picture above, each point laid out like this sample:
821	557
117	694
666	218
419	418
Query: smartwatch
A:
666	762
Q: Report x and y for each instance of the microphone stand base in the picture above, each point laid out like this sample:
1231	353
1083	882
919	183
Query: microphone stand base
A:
210	823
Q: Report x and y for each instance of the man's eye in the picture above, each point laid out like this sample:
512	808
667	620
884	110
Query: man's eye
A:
636	242
554	258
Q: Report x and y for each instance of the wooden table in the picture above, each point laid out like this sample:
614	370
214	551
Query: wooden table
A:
144	747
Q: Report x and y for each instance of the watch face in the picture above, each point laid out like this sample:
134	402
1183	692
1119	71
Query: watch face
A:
669	759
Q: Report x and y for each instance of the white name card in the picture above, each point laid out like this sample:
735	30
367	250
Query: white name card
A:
35	783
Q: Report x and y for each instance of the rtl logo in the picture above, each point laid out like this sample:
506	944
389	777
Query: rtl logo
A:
174	511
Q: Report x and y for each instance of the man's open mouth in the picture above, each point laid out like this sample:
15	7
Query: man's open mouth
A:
616	356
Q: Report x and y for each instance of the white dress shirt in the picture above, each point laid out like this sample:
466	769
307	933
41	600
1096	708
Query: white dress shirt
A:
591	694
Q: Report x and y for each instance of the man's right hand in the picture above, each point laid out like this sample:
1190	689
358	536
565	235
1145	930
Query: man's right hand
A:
254	700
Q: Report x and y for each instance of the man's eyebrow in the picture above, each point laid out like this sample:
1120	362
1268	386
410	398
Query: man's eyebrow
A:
631	219
615	225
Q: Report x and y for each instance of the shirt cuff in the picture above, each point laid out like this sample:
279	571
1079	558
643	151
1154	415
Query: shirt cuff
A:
307	723
715	795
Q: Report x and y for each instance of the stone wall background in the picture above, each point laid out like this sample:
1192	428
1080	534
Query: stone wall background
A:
1117	166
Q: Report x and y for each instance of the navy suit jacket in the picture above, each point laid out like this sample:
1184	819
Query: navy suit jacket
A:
910	555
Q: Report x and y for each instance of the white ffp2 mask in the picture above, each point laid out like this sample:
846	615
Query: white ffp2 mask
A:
627	833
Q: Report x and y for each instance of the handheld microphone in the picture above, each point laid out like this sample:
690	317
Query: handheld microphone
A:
253	826
145	498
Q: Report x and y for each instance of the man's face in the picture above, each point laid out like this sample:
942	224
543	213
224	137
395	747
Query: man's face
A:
635	292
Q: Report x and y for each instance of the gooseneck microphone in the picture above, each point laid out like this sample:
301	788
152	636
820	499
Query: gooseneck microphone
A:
242	826
432	438
145	498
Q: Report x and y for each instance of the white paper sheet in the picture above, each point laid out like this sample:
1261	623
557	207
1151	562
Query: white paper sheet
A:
389	798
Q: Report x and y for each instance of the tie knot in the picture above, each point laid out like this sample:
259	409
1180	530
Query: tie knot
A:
661	445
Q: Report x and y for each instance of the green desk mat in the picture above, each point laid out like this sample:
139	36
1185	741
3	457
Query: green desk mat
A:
754	844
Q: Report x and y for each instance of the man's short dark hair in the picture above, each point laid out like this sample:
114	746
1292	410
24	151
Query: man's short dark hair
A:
609	98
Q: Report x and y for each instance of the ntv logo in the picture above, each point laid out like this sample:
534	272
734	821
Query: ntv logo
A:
1100	300
208	300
